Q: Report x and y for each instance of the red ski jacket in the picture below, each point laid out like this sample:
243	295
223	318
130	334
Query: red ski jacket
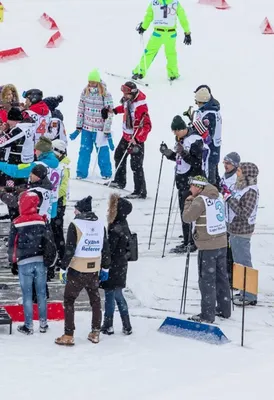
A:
139	112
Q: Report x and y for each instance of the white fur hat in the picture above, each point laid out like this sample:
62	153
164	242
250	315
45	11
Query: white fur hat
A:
202	95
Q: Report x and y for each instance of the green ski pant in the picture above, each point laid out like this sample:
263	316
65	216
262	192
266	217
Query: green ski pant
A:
157	39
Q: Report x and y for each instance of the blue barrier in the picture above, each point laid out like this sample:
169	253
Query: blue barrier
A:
193	330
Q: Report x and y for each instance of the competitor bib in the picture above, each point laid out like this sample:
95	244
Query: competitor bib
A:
215	215
164	15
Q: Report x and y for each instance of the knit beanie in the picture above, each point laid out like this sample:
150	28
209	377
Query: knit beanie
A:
178	123
94	76
15	114
53	102
199	181
202	86
84	205
233	158
40	171
202	95
44	145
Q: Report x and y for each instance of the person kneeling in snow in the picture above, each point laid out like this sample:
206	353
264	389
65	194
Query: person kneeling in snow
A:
56	128
32	248
205	207
87	256
119	237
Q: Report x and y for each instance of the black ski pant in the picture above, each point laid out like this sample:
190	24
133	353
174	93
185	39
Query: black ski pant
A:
137	153
182	195
214	283
57	225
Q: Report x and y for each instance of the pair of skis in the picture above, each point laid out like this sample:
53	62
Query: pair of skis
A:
137	81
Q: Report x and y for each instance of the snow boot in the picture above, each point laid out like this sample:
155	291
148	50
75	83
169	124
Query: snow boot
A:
65	340
135	195
23	329
239	301
137	76
94	336
113	185
198	318
107	327
44	329
127	329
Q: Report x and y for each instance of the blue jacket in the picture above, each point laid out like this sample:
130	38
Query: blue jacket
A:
212	105
24	170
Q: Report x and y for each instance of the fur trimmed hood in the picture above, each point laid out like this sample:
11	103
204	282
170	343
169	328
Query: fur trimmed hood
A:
118	208
4	90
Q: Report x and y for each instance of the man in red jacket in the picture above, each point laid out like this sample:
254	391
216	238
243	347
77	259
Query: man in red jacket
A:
136	127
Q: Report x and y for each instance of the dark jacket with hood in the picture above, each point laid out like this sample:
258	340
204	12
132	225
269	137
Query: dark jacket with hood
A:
210	121
73	240
118	236
29	239
193	157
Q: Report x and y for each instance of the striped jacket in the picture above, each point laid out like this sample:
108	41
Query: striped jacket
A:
89	111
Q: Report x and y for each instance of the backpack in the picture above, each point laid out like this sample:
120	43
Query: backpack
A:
133	247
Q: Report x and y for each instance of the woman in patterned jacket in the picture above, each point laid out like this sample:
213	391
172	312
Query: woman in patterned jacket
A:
93	128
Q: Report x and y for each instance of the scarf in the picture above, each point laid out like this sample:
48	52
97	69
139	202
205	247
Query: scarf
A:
129	121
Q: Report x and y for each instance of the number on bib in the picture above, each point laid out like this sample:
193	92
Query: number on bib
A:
219	206
55	180
42	128
164	8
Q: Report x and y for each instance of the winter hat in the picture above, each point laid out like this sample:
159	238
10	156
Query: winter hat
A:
124	208
53	102
201	87
34	95
40	171
84	205
178	123
249	170
44	145
94	76
15	114
28	203
233	158
202	95
198	181
59	147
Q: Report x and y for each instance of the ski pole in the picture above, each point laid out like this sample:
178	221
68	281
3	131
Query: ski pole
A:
156	200
185	284
126	152
168	218
175	215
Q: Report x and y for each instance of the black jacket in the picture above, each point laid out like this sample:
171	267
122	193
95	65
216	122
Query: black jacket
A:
30	237
71	243
212	105
194	157
118	236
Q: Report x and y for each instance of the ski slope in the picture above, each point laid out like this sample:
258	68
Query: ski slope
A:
237	62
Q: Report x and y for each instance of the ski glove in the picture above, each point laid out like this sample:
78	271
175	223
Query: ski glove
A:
104	113
163	148
74	134
103	276
63	276
140	29
14	269
187	40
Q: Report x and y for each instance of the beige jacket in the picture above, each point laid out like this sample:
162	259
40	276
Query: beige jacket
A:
195	211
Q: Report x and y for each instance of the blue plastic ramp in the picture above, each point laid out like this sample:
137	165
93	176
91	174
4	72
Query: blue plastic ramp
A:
193	330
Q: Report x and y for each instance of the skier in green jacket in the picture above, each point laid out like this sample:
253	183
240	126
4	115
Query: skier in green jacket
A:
164	15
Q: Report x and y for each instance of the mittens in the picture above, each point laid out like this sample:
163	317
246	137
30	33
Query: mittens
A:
103	276
75	134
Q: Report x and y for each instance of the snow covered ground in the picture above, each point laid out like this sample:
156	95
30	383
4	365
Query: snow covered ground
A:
231	56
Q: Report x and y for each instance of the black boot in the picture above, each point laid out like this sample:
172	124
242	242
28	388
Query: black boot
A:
107	327
127	329
137	76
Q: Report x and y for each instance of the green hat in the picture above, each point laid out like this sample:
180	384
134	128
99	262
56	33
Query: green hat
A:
94	76
44	144
199	181
178	123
